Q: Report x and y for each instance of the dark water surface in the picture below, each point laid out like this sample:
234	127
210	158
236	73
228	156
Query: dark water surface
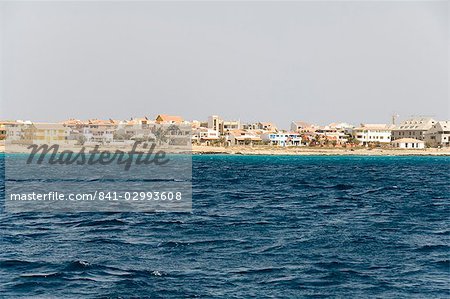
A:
261	227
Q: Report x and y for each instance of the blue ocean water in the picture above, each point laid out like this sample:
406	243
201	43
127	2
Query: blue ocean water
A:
261	226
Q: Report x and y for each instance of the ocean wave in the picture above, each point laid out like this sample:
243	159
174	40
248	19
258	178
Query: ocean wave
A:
106	222
260	227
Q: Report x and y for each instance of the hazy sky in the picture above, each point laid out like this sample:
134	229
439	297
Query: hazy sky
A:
267	61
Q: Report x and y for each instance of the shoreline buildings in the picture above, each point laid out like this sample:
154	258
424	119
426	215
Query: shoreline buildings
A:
418	132
413	128
439	134
408	143
372	133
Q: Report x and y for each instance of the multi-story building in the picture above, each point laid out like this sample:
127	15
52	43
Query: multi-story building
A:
413	128
438	134
45	133
205	136
373	133
222	126
214	123
99	131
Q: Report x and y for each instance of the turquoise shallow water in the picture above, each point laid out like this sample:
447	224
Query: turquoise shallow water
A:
261	226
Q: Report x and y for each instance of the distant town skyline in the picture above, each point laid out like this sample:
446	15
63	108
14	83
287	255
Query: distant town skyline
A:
396	120
320	62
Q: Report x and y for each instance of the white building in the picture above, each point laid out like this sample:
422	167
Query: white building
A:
439	134
409	143
99	131
205	136
413	128
373	133
283	139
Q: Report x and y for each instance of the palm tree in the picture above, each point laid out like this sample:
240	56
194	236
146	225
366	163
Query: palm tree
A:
174	130
318	140
305	139
161	135
353	140
81	139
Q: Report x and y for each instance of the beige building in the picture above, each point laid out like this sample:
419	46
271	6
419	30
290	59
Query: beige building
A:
46	133
408	143
242	137
302	127
439	134
373	133
413	128
222	126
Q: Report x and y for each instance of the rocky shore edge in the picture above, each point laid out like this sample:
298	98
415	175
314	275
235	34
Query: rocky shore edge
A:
310	151
320	151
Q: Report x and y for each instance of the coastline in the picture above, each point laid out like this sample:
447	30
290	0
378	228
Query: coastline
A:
310	151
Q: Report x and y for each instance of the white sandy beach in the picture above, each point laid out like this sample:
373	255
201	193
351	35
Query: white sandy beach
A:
267	150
